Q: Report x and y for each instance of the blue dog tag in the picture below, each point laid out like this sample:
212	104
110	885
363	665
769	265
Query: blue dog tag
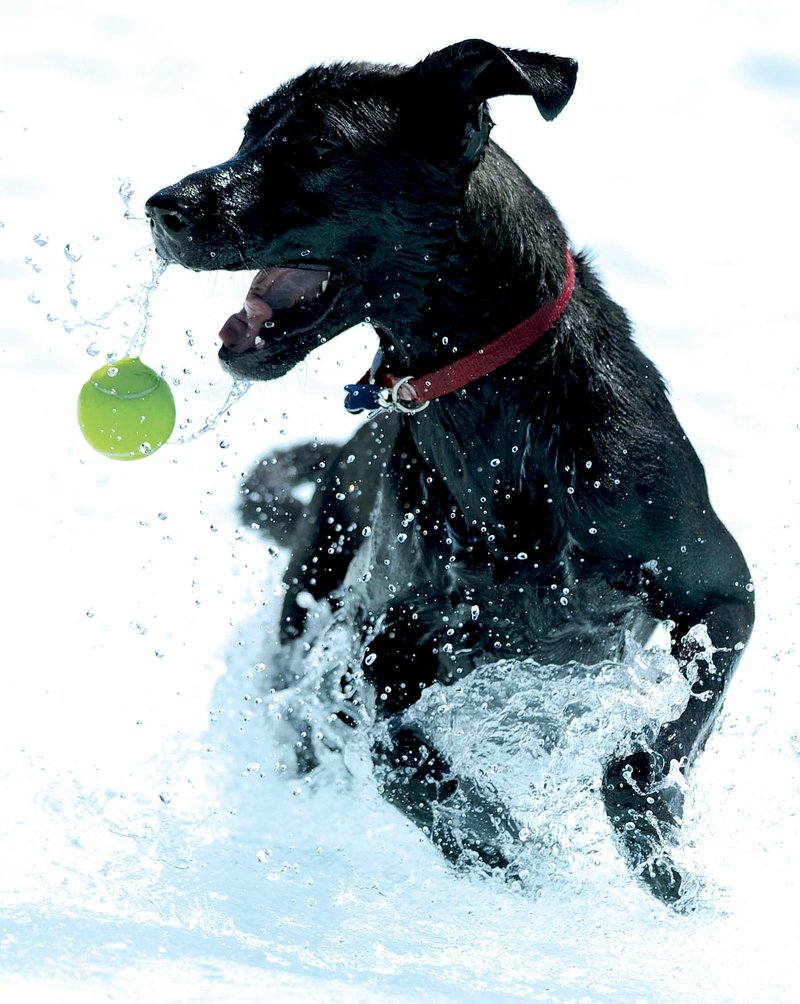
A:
362	397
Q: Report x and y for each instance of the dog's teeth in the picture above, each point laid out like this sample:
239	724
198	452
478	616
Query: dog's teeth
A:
323	285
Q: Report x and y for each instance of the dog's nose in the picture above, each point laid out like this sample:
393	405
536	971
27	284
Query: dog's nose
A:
166	212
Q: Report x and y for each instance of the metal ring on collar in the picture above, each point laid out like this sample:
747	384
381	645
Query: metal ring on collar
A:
388	398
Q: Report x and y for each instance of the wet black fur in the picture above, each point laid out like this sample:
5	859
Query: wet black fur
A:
565	470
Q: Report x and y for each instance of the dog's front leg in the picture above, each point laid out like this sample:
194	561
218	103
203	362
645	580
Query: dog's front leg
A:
646	808
465	819
643	797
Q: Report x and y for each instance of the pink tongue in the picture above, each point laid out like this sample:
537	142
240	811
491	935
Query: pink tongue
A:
239	332
279	288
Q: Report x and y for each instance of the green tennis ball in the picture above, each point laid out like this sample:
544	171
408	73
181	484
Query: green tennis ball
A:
126	410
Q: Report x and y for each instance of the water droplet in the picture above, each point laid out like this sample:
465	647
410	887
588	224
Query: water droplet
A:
370	659
253	767
165	797
592	529
112	371
41	239
305	253
402	538
495	462
395	296
73	252
367	531
224	444
475	611
522	556
92	349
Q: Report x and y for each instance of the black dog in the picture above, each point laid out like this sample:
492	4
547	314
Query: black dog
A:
548	465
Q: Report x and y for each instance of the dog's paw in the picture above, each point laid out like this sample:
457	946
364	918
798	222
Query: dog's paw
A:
650	859
645	811
466	820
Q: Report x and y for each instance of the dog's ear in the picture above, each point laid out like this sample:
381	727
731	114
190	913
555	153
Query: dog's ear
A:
459	79
476	71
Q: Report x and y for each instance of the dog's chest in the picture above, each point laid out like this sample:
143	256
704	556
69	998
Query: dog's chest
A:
431	531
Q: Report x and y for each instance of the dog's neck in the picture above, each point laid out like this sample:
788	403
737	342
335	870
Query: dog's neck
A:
497	260
505	258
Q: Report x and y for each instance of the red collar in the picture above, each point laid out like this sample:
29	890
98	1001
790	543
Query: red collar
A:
382	390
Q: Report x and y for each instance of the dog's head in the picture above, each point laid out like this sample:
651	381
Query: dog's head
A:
345	194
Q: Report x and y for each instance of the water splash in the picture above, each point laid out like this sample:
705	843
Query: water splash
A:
539	735
131	311
534	725
237	391
140	300
126	193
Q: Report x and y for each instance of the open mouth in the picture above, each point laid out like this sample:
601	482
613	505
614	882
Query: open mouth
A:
281	300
